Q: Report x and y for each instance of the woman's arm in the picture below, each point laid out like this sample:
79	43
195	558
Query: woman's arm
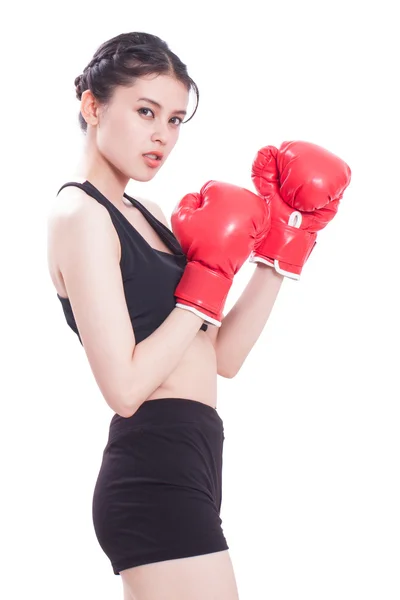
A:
157	356
88	259
245	321
242	326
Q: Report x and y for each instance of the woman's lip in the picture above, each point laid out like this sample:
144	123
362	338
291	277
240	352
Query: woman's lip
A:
151	162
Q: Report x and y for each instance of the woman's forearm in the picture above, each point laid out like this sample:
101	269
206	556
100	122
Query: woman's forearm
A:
158	355
243	324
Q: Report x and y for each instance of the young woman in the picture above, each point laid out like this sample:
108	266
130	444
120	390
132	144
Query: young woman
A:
154	352
147	306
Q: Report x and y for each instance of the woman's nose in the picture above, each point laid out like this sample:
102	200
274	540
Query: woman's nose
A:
160	133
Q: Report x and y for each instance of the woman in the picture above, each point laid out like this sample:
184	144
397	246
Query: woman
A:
115	266
148	309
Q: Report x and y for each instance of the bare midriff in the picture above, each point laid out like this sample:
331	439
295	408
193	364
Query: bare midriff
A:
195	378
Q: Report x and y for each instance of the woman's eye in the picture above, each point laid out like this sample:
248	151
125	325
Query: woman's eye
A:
144	109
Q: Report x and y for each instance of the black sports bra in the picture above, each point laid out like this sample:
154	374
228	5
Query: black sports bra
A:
149	276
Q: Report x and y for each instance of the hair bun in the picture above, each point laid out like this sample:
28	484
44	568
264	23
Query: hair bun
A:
78	87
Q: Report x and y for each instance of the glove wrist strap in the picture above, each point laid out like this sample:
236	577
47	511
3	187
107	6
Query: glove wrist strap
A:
204	289
286	244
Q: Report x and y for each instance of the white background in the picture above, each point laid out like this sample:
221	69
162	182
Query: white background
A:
311	489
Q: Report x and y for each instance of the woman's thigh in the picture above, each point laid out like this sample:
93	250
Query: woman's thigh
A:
204	577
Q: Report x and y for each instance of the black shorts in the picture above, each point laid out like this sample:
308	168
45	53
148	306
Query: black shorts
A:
159	489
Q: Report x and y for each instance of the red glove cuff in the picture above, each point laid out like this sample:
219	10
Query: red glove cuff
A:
203	289
289	245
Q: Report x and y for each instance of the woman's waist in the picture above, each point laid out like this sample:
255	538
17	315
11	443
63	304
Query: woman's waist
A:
194	377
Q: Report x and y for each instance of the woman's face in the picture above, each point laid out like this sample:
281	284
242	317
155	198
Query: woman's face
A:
142	119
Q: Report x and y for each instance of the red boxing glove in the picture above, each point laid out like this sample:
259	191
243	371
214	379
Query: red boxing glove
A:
303	185
217	229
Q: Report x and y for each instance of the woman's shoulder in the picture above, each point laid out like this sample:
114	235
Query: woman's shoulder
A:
70	204
72	199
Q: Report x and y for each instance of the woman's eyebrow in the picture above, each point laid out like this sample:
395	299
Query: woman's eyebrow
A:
181	112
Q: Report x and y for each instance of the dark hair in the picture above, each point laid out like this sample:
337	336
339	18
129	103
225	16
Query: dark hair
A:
120	60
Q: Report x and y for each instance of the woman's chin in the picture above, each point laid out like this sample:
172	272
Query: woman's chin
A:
138	175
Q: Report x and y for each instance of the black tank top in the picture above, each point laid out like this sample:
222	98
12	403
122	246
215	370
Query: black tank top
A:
149	276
